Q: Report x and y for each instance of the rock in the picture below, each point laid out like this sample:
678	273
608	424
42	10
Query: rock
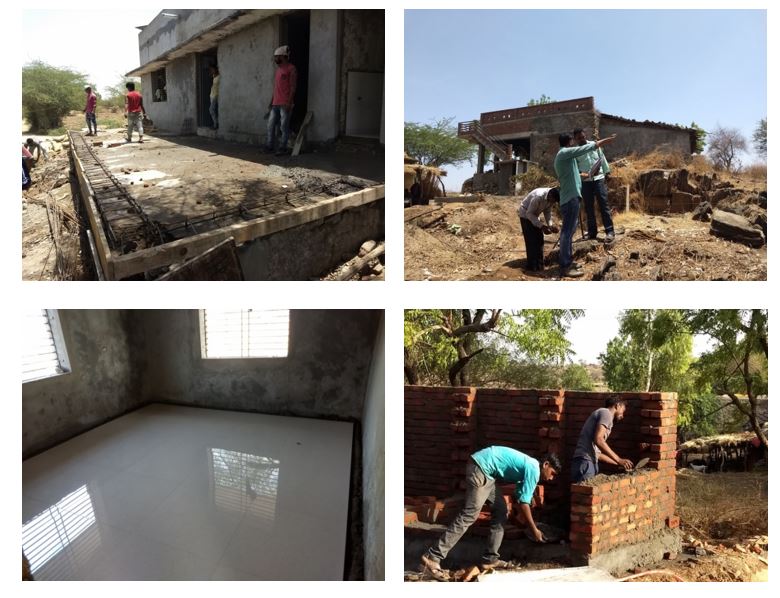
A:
670	556
657	182
366	248
700	551
656	273
682	202
705	182
378	268
739	548
612	275
607	265
762	200
684	184
703	212
759	220
736	228
634	255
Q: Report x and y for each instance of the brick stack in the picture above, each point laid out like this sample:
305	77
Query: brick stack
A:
439	436
508	418
629	508
623	510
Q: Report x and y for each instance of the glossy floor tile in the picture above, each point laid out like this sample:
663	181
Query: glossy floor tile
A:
178	493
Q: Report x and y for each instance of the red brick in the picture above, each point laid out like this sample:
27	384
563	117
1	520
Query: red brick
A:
555	433
410	517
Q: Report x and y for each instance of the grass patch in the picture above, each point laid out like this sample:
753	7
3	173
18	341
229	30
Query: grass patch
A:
112	123
723	505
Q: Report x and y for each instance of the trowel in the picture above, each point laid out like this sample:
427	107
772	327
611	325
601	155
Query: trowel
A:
641	464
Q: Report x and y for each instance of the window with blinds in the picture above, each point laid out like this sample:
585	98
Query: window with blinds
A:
43	347
238	333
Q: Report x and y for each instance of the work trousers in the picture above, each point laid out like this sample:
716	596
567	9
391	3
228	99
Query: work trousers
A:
571	215
479	488
91	122
279	116
534	245
135	120
592	191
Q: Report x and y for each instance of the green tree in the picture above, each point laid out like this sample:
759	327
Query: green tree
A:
759	138
115	94
575	376
543	99
49	93
737	365
652	352
482	346
437	144
701	137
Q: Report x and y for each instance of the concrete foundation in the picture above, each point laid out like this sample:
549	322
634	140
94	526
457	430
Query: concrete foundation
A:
643	554
311	250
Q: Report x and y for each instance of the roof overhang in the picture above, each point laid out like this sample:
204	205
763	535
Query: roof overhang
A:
205	40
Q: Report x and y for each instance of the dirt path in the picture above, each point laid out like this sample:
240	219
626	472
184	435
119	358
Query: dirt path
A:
481	240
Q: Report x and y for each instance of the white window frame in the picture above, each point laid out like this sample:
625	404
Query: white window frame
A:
55	327
204	348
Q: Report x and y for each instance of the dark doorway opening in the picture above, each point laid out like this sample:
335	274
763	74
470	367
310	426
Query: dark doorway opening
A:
295	33
521	148
203	85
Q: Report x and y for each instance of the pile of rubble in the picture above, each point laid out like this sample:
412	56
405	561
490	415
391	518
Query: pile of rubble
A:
736	213
368	264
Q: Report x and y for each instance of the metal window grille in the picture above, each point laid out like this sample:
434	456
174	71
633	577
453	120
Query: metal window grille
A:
241	333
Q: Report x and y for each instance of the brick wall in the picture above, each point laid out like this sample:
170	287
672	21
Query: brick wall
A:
443	426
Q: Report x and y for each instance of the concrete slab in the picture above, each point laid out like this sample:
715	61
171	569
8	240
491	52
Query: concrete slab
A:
560	574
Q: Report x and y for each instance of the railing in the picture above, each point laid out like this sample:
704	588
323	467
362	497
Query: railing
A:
472	131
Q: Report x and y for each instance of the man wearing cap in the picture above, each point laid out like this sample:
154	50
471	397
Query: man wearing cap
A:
595	187
280	108
89	111
571	190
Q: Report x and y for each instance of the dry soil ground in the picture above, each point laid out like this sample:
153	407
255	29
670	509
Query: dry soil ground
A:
481	240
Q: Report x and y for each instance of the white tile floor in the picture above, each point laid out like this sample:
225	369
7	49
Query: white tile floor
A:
181	493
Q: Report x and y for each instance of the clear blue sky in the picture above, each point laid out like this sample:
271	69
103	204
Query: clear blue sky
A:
674	66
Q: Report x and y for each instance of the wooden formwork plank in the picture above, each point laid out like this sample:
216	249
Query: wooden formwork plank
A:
95	221
176	251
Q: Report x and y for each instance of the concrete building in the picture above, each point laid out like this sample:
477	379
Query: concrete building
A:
530	133
194	445
339	55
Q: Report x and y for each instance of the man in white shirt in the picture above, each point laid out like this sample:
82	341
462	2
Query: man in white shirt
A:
537	202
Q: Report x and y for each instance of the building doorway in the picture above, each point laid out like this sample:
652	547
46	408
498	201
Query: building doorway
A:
203	85
295	33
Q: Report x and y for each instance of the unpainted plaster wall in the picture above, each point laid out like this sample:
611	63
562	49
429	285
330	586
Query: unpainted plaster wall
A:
325	373
374	464
103	382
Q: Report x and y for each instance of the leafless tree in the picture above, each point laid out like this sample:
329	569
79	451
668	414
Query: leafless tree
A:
724	144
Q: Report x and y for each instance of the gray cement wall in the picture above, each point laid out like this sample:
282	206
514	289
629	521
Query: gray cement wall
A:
374	464
103	383
179	113
363	49
544	139
311	250
246	71
325	373
324	84
163	34
638	139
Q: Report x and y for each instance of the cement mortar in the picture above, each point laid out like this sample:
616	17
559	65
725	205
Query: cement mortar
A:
643	554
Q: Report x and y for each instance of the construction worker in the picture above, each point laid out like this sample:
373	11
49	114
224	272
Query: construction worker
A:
485	468
281	106
214	97
135	112
571	189
594	187
89	111
592	444
36	150
537	202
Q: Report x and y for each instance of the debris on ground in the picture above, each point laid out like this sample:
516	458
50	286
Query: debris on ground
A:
51	225
664	201
368	264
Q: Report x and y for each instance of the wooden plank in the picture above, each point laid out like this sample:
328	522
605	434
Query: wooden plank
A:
301	134
95	222
182	249
218	263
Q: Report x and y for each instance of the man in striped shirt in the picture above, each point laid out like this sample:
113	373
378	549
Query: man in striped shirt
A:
537	202
595	187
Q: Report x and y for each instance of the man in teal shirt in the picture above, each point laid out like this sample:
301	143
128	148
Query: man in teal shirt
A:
571	190
594	187
485	468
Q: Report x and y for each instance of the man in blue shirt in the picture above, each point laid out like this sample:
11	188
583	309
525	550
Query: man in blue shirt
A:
594	187
571	190
485	468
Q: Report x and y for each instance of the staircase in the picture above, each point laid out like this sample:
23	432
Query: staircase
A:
474	132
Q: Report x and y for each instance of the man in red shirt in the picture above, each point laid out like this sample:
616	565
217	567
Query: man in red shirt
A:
89	111
280	108
135	111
